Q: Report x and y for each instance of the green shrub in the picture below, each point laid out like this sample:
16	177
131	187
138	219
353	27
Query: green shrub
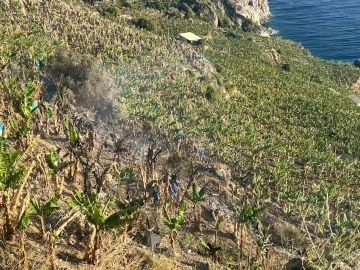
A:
211	94
173	14
230	85
230	34
145	24
111	11
286	67
219	80
224	21
316	78
219	68
124	3
107	10
248	25
191	73
158	4
189	13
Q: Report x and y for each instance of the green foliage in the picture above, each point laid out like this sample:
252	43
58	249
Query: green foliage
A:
249	213
73	136
224	21
158	4
45	210
178	221
286	67
146	24
230	85
248	25
11	172
128	175
191	73
219	68
108	10
211	93
124	3
189	13
173	14
41	211
52	160
24	220
111	11
232	34
98	214
21	122
197	195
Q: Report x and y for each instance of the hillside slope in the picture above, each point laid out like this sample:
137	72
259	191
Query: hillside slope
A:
138	122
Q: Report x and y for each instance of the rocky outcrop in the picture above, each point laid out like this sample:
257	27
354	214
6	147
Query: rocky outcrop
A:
208	13
357	63
256	10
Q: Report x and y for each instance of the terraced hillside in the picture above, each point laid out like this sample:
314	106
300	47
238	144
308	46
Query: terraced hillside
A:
239	153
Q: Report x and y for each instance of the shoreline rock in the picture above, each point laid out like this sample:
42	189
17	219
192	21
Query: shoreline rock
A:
357	63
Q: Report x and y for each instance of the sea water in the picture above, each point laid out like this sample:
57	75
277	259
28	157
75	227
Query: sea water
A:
329	29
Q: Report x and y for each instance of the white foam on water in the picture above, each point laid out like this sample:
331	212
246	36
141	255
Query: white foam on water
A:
274	32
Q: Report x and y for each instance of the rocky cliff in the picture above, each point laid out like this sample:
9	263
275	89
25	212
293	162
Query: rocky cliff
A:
256	10
216	10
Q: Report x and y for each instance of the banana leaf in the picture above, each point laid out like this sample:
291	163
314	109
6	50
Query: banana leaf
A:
24	220
50	112
116	220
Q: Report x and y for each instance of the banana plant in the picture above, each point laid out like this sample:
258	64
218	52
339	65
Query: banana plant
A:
74	141
126	177
175	223
44	210
22	225
196	197
56	167
98	215
246	216
21	121
263	243
13	174
51	236
73	136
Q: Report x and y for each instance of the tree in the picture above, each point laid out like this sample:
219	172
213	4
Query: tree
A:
98	215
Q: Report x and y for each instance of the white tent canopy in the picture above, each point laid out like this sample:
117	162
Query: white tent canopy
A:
189	36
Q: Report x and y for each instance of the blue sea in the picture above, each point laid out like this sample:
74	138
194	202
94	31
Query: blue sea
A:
329	29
